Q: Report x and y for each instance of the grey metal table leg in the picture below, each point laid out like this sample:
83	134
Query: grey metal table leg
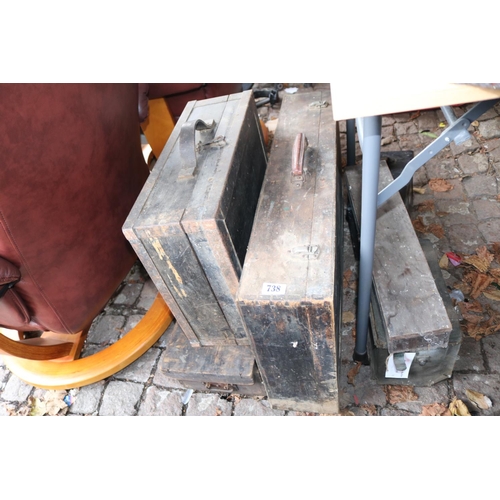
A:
369	193
369	132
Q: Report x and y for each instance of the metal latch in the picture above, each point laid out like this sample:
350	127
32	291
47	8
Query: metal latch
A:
310	252
220	387
217	142
319	104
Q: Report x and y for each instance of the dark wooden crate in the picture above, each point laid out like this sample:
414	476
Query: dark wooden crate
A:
429	366
191	224
289	290
412	310
421	320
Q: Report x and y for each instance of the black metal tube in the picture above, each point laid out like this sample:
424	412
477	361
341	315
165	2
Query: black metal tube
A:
351	142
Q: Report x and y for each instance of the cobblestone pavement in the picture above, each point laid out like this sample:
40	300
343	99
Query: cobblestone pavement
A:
469	218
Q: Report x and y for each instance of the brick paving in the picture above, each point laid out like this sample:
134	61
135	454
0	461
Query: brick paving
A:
470	217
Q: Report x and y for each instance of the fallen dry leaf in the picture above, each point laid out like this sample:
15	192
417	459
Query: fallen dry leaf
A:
478	281
351	375
483	329
343	413
473	306
470	317
419	190
399	393
440	185
426	206
443	262
480	400
480	263
492	294
435	410
348	317
22	411
38	408
50	404
458	408
418	225
436	229
370	409
347	278
496	246
485	254
495	274
463	287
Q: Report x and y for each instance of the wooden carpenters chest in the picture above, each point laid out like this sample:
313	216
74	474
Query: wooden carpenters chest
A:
290	286
191	223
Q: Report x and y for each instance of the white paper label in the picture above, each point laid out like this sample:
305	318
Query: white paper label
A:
393	372
273	289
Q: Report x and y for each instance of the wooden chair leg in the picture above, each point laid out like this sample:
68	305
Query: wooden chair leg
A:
55	374
42	348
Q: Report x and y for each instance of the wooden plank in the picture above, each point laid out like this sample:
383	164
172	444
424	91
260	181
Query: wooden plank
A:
292	248
179	270
429	366
413	312
136	216
218	220
217	364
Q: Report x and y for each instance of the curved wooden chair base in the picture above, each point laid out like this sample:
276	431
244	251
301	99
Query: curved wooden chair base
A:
57	374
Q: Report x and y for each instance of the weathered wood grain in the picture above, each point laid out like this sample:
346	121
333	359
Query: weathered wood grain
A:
412	309
191	233
293	248
216	364
429	366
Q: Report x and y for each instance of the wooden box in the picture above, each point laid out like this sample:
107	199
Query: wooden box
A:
412	309
290	287
411	316
191	223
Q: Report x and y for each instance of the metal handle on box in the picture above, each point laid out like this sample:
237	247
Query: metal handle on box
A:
187	146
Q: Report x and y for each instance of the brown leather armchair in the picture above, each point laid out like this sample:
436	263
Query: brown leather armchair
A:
177	95
71	170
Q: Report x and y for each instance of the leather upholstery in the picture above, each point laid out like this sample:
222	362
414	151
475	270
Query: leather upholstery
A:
179	94
71	168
